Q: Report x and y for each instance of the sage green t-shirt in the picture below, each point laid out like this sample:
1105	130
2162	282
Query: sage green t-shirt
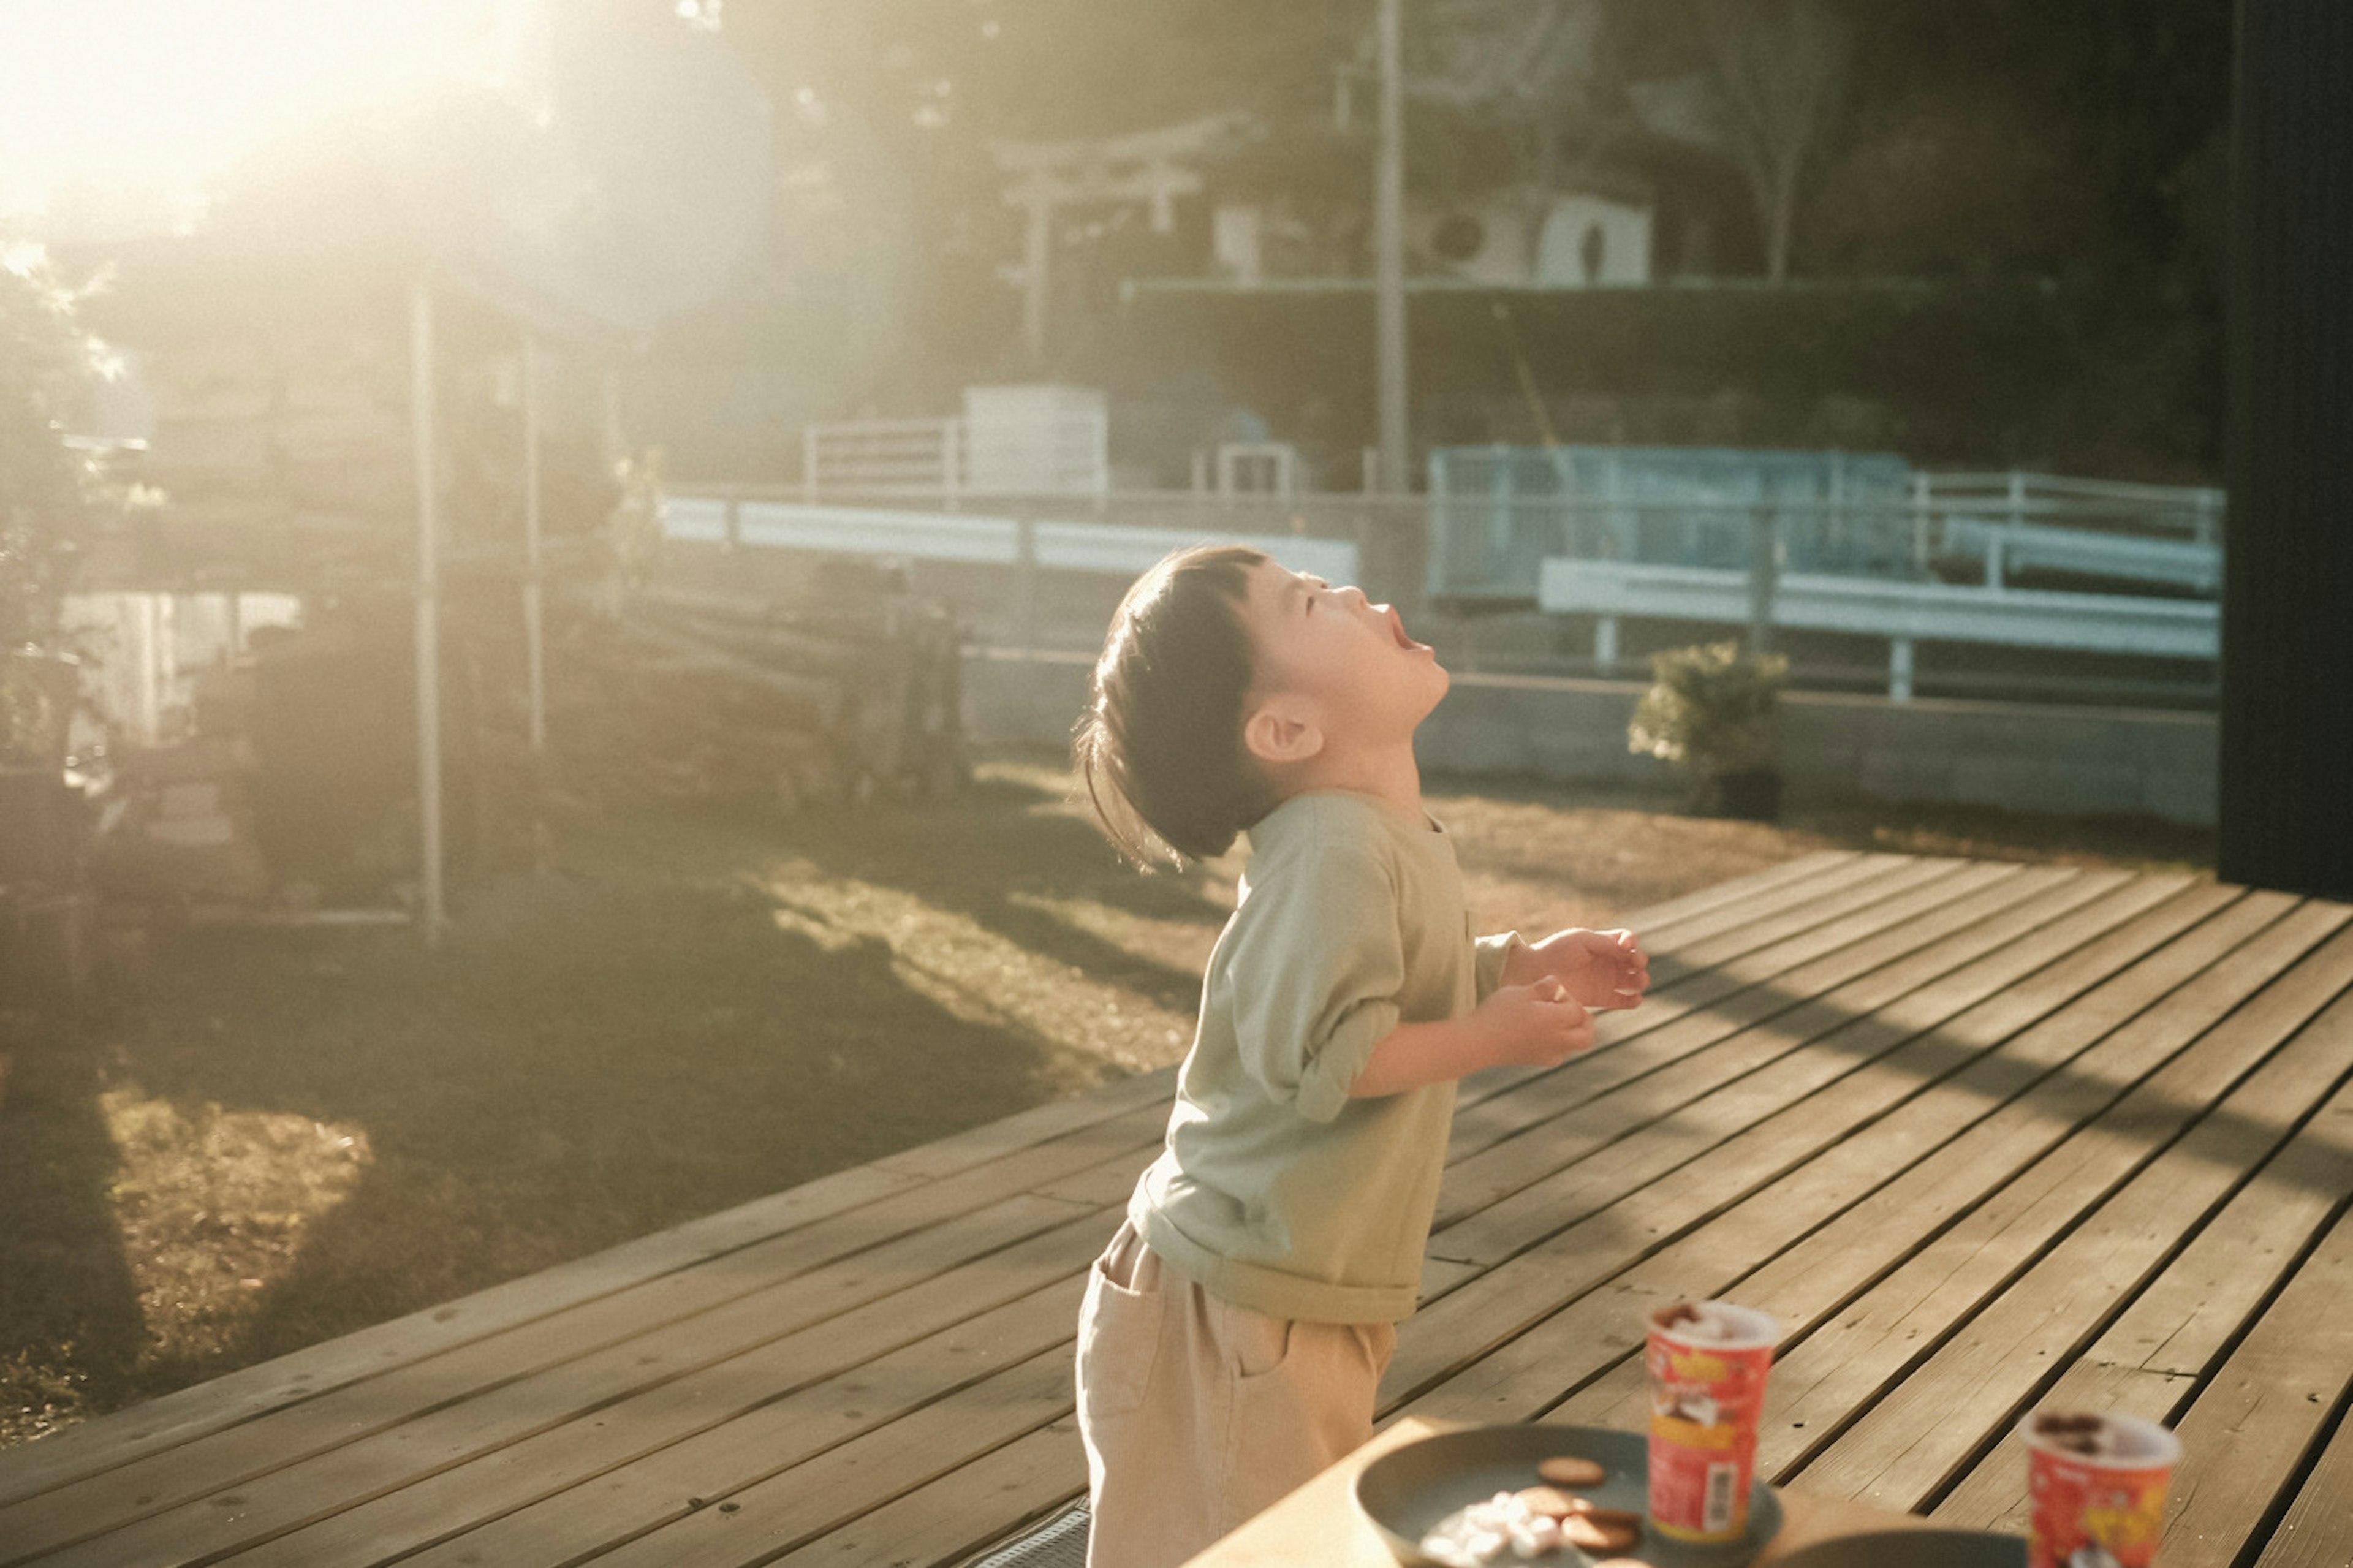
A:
1276	1191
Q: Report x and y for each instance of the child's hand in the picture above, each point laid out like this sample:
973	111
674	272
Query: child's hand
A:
1538	1024
1600	968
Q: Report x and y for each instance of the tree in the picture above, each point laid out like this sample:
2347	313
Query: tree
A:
1778	68
45	363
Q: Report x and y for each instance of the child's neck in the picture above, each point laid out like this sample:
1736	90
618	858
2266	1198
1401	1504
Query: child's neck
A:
1389	774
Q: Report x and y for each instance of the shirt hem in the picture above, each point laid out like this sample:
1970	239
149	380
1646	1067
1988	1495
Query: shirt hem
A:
1269	1290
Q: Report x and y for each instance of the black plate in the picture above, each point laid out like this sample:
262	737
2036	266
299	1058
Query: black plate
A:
1407	1490
1913	1549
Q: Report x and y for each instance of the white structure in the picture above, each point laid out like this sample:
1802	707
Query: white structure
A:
1010	441
1520	240
146	649
1586	240
1037	440
1237	246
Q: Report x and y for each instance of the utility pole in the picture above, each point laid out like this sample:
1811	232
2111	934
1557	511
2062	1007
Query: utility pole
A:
432	912
1388	259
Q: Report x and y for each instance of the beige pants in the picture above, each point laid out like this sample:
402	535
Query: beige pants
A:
1197	1414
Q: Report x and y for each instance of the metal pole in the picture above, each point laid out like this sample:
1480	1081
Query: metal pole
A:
534	560
428	650
1037	250
1762	567
1388	254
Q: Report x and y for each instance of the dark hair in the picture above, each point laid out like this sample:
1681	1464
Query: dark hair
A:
1160	745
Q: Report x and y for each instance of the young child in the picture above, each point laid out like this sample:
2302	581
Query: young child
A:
1235	1331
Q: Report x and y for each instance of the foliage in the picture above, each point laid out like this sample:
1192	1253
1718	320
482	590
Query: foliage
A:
47	361
1712	708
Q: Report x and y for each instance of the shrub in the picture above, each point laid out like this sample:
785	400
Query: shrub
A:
1712	709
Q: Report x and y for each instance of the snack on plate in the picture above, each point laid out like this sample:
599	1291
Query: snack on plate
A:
1570	1470
1503	1529
1598	1532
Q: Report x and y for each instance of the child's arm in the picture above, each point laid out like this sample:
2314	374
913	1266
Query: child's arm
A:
1534	1026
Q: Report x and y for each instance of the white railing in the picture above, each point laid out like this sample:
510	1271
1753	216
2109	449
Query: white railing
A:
2188	511
1060	452
1904	613
1028	545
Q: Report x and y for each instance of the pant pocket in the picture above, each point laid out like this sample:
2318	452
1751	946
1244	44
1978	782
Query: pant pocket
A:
1119	1344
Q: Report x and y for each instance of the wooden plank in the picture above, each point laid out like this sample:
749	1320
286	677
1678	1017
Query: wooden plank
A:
1916	1437
1735	1217
2175	1334
943	1522
961	1151
1909	1175
107	1441
229	1493
308	1428
1702	1052
2252	1428
889	1486
1711	940
2141	1088
1740	889
2317	1530
1853	935
1752	1075
1751	950
589	1485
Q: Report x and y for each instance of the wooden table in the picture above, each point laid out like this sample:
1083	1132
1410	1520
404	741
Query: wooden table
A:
1981	1136
1319	1524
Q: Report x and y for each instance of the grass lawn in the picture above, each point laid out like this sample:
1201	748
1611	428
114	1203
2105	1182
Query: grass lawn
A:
265	1138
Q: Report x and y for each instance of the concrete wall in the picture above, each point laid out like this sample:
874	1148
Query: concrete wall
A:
2021	756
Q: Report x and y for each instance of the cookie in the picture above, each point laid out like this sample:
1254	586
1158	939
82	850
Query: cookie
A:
1567	1470
1598	1532
1551	1501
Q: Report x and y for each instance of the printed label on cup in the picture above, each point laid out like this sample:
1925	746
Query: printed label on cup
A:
1707	1361
2097	1485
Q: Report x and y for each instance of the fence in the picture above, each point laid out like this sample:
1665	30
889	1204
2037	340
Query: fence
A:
1904	613
1027	544
1497	512
1865	564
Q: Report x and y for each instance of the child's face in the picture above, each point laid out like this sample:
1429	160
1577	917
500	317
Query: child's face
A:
1345	663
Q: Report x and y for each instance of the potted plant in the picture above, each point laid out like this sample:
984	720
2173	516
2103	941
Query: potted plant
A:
1714	711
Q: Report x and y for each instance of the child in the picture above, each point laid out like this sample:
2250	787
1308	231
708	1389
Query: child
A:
1234	1332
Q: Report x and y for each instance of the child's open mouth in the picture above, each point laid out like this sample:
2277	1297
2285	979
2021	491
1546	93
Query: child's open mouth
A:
1396	630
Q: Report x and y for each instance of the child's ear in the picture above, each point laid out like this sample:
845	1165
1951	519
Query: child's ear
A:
1279	735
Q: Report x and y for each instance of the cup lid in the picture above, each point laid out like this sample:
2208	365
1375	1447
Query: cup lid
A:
2107	1439
1717	1325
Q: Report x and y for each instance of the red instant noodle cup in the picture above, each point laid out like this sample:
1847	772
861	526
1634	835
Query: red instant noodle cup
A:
1707	1363
2097	1483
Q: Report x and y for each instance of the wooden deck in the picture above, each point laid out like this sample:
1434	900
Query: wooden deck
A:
1981	1135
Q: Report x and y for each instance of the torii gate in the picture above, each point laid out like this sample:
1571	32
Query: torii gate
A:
1147	166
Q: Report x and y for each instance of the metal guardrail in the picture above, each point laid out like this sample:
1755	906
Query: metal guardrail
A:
1904	613
1026	545
1497	512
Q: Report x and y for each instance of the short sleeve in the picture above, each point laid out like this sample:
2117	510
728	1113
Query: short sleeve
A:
1316	965
1494	952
